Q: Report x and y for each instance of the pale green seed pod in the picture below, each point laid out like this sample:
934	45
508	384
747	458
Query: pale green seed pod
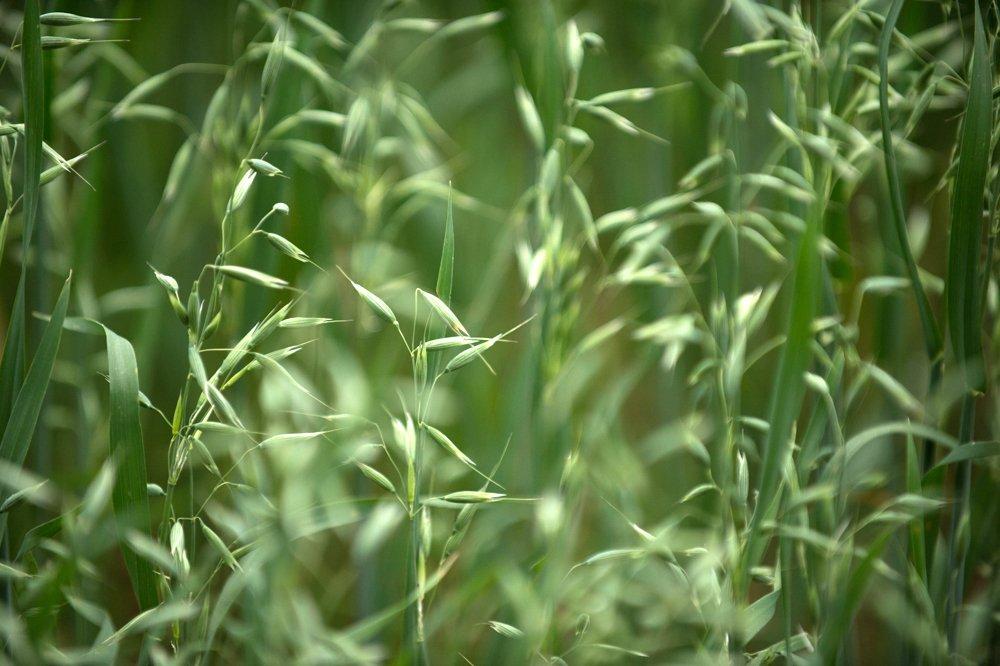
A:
251	276
411	484
472	497
220	546
426	533
178	308
376	476
177	548
444	312
467	356
453	342
169	284
53	42
742	479
213	325
420	364
448	445
264	168
193	309
65	19
242	189
285	246
18	498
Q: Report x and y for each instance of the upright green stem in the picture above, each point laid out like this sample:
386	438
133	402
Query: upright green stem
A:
959	514
932	335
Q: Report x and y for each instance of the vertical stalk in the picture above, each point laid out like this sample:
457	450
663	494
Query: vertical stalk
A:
932	335
959	514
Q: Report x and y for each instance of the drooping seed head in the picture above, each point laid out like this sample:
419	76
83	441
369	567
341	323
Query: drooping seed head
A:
64	19
376	476
377	305
286	247
444	312
473	497
251	276
447	444
264	167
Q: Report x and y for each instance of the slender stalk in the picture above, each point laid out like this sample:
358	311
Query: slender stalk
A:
958	530
933	345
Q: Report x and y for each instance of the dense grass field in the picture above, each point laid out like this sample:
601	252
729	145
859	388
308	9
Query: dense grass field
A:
499	332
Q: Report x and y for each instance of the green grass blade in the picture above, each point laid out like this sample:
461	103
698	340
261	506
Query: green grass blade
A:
970	451
918	550
848	601
965	236
788	390
28	404
932	334
130	498
12	362
34	86
446	271
12	366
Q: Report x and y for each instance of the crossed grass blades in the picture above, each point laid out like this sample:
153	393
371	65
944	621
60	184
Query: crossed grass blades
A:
670	421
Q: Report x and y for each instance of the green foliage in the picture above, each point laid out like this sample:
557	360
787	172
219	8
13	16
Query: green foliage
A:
538	332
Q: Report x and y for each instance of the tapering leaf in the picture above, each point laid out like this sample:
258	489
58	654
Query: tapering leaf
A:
28	404
970	451
932	334
34	85
446	270
964	239
12	362
788	387
130	498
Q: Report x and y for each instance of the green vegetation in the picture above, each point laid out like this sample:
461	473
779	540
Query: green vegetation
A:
500	332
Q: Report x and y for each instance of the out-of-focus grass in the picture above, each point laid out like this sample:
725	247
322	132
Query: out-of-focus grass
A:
624	367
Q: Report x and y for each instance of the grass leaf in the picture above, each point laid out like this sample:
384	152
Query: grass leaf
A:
27	406
965	236
130	498
932	335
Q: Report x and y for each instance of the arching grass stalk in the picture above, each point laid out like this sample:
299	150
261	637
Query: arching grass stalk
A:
931	333
962	294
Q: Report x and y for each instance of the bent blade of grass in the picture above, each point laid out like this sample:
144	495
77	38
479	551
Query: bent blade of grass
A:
446	269
788	390
965	235
918	548
12	362
962	291
12	365
932	334
28	405
837	625
970	451
34	118
130	497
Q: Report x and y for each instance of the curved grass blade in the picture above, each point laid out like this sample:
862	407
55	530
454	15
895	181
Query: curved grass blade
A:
12	365
932	334
12	362
31	54
446	269
28	405
970	451
847	603
789	389
962	292
965	236
130	497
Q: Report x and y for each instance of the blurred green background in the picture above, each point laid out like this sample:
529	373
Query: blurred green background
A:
615	420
